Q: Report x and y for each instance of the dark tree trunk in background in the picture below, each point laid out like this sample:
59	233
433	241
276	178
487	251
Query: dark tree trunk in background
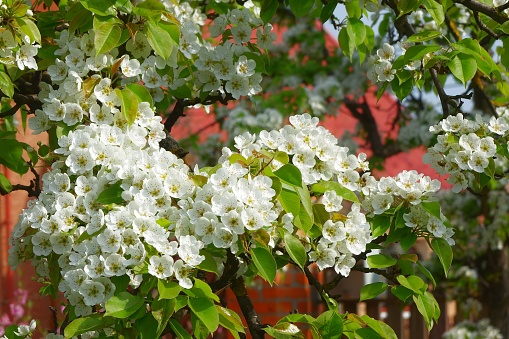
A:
494	288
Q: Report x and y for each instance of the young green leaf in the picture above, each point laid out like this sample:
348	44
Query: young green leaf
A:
107	34
370	291
206	311
123	305
444	252
265	263
381	261
295	249
92	322
463	67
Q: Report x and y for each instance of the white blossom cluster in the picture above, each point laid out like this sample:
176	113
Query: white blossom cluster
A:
469	330
240	120
228	67
465	147
380	66
12	52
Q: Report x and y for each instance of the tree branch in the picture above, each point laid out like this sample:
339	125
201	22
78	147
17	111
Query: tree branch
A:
231	266
485	28
362	112
181	104
476	6
246	306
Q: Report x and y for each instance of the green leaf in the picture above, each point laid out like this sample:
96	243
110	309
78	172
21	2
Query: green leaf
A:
424	36
353	8
12	155
381	91
426	273
436	10
29	28
129	104
269	8
111	195
426	307
100	7
463	67
405	6
381	261
402	90
107	34
380	224
265	263
147	327
206	311
444	252
413	283
328	10
290	201
6	85
381	328
5	184
201	289
179	330
417	52
356	31
284	330
433	208
167	289
172	29
160	40
123	305
346	45
141	92
229	319
329	324
209	264
340	190
401	292
407	241
89	323
370	291
151	9
289	173
301	7
295	249
162	310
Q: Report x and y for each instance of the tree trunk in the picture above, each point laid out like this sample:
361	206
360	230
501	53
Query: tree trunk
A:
494	288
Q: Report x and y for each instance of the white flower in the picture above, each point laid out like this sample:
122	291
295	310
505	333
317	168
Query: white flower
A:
245	67
334	231
92	292
323	256
332	201
26	330
182	273
386	52
161	267
25	57
241	33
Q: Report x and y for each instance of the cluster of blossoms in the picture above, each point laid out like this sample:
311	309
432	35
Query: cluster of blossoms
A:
465	147
229	67
240	120
467	330
380	66
21	53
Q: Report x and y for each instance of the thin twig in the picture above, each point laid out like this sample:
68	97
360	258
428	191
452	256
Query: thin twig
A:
488	10
485	28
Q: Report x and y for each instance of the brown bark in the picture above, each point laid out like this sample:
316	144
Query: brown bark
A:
494	289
